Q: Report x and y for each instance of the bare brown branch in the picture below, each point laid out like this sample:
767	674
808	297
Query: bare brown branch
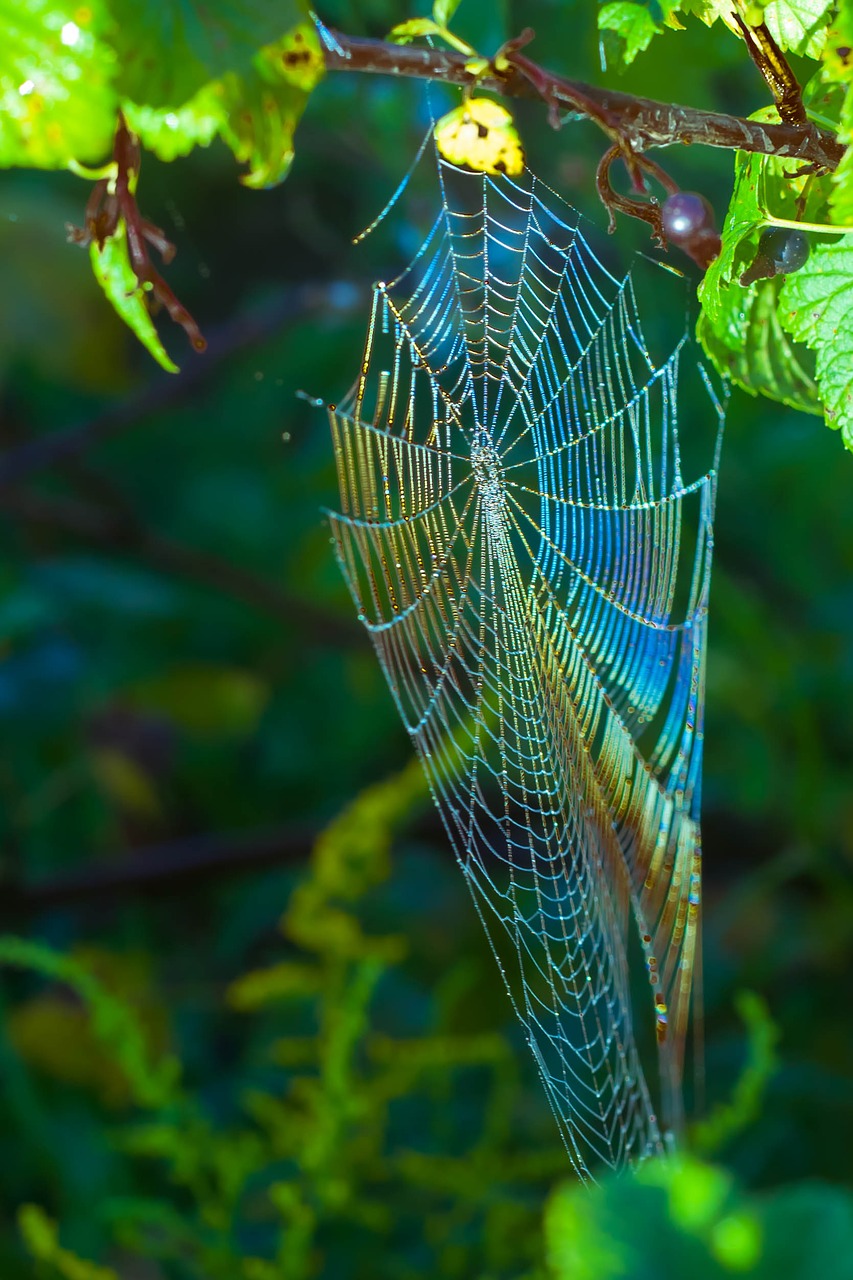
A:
634	123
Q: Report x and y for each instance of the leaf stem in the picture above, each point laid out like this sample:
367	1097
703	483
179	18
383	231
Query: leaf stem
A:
823	228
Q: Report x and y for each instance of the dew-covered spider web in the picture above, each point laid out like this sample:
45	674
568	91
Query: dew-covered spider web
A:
532	564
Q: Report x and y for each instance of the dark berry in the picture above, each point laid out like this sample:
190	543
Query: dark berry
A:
686	215
787	250
780	252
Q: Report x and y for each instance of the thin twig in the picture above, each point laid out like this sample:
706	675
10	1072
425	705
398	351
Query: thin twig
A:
167	867
639	123
119	531
165	390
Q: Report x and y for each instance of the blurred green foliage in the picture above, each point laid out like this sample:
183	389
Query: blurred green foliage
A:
197	1085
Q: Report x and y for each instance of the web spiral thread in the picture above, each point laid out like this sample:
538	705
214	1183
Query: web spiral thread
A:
513	531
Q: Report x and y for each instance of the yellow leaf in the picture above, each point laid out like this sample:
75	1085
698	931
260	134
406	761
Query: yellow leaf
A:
482	136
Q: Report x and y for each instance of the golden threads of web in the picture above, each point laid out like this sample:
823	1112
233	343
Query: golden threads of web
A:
481	135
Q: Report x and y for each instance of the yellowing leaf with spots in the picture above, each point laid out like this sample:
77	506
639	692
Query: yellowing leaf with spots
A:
481	135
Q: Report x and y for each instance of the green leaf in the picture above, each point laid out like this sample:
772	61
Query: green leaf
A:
799	25
752	348
708	10
796	25
255	113
57	101
816	306
175	131
262	108
170	48
115	275
837	55
282	981
114	1022
741	327
443	11
634	23
41	1238
680	1217
841	200
259	125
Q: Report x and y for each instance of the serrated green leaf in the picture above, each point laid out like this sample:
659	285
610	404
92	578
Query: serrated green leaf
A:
262	108
57	101
739	240
632	22
174	132
816	306
837	55
796	25
169	49
743	328
756	353
255	113
708	11
115	275
841	200
799	25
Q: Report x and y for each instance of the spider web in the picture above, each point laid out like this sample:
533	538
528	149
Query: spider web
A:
533	570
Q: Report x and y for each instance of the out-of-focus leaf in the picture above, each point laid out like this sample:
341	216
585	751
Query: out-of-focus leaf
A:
443	11
684	1218
205	700
170	48
50	316
50	1032
262	107
837	54
173	131
57	101
280	982
126	783
744	1106
115	275
816	306
114	1023
41	1237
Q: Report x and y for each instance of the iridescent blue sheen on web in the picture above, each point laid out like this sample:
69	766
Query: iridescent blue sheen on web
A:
533	569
